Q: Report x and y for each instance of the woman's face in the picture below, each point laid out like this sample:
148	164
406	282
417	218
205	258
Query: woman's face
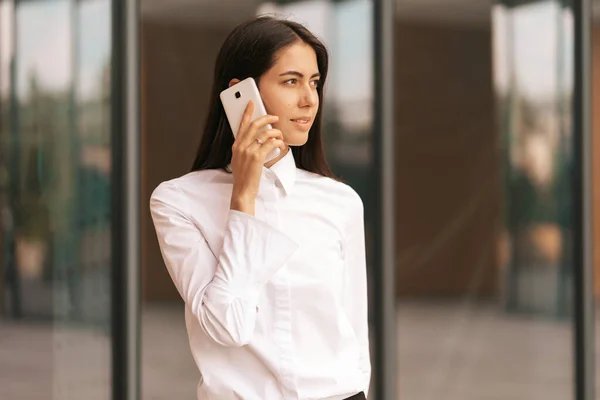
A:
289	91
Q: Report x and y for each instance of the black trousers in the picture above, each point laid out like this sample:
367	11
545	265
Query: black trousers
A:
358	396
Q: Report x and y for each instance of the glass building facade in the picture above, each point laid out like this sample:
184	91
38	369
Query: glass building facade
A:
466	127
55	186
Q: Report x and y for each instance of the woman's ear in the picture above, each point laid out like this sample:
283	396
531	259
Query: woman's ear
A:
233	82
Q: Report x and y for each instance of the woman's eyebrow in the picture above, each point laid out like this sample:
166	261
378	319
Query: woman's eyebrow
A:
300	75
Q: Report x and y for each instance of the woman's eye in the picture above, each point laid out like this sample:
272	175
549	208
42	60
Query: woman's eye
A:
294	81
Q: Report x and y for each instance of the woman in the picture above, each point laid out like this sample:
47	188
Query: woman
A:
269	258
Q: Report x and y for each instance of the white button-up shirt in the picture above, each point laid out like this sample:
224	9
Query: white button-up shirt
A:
276	303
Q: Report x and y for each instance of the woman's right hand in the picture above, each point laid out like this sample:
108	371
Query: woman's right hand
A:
249	151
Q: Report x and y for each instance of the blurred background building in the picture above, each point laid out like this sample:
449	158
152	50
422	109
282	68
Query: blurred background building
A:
489	149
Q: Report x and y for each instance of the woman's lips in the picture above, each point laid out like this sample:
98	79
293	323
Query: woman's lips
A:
302	122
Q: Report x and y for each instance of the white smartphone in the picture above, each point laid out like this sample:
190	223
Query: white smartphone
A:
236	98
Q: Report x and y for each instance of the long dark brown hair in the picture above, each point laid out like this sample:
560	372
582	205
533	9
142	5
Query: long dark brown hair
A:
249	51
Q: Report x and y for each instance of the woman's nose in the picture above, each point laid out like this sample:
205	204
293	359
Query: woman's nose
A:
309	98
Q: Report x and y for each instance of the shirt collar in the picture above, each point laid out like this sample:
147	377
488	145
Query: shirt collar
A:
284	171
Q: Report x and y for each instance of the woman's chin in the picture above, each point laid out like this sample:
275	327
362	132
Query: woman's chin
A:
297	140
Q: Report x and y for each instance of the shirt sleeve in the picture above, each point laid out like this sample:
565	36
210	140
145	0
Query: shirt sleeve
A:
221	289
355	285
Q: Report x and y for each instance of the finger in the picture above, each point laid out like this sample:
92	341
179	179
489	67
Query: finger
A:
256	126
271	145
246	120
267	134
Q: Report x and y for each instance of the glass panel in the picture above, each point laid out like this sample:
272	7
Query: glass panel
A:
82	296
179	47
537	128
484	199
56	200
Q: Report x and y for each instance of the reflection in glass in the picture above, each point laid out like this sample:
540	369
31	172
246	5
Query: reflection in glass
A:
55	201
536	105
484	197
42	79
